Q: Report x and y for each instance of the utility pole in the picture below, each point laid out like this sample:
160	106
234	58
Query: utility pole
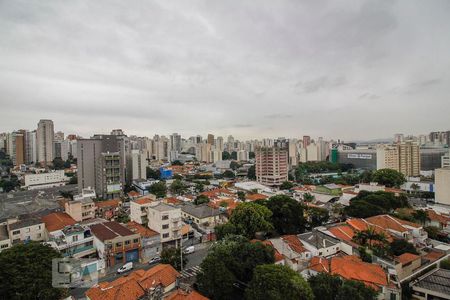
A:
181	250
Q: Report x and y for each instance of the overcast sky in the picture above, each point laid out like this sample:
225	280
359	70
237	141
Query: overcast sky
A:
348	69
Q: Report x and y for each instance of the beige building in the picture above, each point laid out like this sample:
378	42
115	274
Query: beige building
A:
139	209
403	157
45	180
137	165
271	165
165	219
32	229
44	141
442	185
80	210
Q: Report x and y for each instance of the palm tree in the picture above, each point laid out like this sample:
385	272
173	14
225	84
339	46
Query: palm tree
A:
415	187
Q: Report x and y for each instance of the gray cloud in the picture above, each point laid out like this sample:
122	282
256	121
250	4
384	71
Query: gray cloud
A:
191	67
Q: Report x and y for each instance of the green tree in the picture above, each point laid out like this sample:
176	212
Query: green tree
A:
241	195
152	173
400	246
287	214
228	261
228	174
445	264
368	204
226	155
199	187
251	155
26	272
287	185
58	163
415	187
325	286
420	216
201	199
317	216
234	165
433	232
224	230
177	163
250	218
307	197
355	290
177	187
158	189
389	177
251	173
277	282
234	155
172	256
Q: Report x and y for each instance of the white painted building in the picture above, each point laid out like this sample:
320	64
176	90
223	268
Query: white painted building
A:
165	219
45	180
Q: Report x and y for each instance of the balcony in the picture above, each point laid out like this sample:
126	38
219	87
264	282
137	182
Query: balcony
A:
175	220
176	227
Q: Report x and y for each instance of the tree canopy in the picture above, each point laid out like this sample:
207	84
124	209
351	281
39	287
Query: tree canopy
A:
287	214
368	204
159	189
331	287
172	256
287	185
401	246
250	218
251	173
200	199
228	174
26	272
177	187
229	261
277	282
389	177
153	174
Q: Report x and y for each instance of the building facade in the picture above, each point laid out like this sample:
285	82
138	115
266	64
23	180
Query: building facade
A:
44	141
271	165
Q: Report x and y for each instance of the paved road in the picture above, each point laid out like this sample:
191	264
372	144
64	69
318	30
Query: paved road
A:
194	260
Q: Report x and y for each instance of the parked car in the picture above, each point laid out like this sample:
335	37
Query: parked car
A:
189	250
154	260
125	268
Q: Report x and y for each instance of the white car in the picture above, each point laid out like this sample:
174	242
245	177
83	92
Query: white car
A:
154	260
125	268
189	250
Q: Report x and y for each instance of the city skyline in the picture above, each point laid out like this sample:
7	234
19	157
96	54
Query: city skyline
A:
356	70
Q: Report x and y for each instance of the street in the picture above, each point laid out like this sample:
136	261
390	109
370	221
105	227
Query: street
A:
194	260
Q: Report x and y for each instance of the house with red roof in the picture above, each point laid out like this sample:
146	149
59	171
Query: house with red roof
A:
293	250
136	285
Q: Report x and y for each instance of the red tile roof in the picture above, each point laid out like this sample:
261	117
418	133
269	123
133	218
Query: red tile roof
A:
57	221
143	200
434	216
133	194
108	203
134	286
294	243
392	223
254	197
319	264
433	255
142	230
406	258
185	295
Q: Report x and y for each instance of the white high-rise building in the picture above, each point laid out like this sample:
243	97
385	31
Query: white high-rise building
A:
44	141
219	143
137	165
175	142
30	147
312	152
242	155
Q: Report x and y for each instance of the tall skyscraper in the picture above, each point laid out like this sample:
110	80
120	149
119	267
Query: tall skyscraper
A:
175	142
30	147
403	157
210	139
306	141
271	165
219	143
44	141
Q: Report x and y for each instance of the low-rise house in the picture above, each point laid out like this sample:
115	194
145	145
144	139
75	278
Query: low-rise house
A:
116	243
73	241
412	232
438	220
108	209
180	294
139	209
201	214
132	195
406	264
137	285
321	244
254	197
295	254
150	240
353	268
28	229
432	285
279	258
45	180
57	221
165	219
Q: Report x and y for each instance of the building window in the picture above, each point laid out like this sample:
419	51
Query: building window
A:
16	232
4	246
75	238
127	242
165	226
119	244
39	235
166	217
136	241
165	235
